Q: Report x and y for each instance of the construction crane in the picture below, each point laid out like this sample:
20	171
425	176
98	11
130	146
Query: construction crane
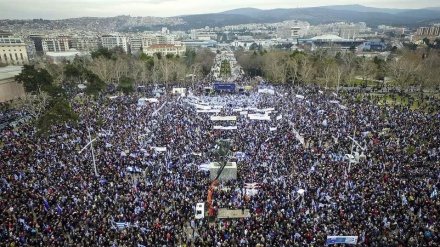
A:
221	152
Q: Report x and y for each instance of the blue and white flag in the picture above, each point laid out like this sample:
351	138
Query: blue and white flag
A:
341	240
59	209
122	225
434	193
46	204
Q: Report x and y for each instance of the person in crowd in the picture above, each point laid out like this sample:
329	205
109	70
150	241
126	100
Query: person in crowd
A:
148	179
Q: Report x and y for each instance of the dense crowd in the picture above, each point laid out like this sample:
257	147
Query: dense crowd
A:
142	195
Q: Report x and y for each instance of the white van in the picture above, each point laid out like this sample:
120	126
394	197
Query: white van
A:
200	210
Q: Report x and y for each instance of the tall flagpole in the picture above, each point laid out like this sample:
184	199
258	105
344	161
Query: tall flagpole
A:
351	151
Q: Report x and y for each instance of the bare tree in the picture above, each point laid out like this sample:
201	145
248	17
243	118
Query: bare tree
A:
404	69
306	69
34	104
428	73
338	71
366	69
55	70
328	65
196	72
275	67
120	68
103	68
136	68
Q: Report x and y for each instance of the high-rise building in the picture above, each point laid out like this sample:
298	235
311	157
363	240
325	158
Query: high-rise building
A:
55	44
38	41
13	51
85	43
112	41
135	45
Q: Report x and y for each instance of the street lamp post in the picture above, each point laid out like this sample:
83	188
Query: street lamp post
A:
93	152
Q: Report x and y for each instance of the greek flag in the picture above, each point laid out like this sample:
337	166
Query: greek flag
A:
122	225
59	209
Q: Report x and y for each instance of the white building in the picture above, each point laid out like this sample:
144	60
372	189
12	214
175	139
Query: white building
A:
55	44
164	49
13	51
61	56
114	40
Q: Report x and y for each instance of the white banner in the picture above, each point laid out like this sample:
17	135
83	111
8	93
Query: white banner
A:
204	107
225	127
300	96
279	117
272	128
259	117
266	90
243	112
144	100
209	110
237	109
160	149
268	109
223	118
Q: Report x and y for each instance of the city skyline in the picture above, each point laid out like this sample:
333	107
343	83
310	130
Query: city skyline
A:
63	9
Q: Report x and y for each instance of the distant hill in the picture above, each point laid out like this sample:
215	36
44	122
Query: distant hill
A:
361	8
317	15
433	8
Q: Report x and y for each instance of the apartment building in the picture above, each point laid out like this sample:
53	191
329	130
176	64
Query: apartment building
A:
114	40
13	51
55	44
428	31
164	49
85	43
135	44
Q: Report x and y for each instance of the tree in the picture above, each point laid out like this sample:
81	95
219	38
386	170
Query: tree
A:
126	85
33	104
366	69
120	68
403	70
327	66
205	57
55	70
102	52
306	70
103	68
225	69
59	112
428	73
275	68
94	84
34	80
338	71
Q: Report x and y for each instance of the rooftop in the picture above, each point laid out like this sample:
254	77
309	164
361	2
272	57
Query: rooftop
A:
9	72
63	53
162	46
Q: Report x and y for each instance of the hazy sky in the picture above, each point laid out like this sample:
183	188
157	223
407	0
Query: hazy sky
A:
60	9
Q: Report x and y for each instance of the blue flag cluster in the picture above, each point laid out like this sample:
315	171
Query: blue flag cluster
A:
341	240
